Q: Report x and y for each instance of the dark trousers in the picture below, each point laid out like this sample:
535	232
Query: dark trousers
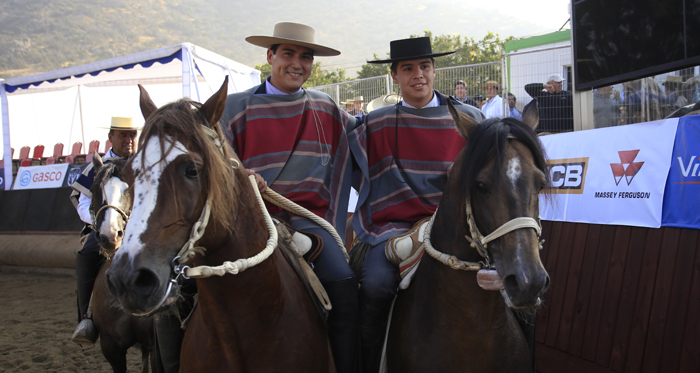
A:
337	278
87	266
378	285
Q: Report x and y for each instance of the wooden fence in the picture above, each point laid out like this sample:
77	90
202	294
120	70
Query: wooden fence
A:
622	299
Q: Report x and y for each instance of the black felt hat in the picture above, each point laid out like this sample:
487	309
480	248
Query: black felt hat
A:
410	49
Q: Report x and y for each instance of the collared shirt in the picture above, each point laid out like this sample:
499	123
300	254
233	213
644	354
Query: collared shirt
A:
272	90
435	102
84	201
493	108
514	113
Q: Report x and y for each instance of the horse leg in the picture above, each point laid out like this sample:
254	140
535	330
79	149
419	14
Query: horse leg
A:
113	352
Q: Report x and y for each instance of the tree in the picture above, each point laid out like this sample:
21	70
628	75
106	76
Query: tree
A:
467	51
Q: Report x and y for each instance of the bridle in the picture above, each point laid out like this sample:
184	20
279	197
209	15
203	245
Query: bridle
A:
188	251
478	241
96	224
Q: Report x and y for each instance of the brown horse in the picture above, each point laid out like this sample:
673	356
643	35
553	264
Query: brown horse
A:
262	320
444	321
118	329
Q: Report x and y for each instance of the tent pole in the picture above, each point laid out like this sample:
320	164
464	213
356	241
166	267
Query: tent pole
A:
80	105
186	75
7	150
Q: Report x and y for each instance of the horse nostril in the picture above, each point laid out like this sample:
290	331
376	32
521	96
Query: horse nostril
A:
103	238
546	285
145	283
511	284
120	234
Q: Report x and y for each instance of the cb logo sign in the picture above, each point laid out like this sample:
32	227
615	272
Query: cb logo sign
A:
568	176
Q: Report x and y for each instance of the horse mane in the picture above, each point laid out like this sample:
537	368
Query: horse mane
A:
111	168
183	121
488	140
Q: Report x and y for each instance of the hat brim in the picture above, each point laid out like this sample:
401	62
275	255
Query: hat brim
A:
408	58
122	128
268	41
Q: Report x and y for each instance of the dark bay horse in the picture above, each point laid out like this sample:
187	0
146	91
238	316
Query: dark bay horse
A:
118	329
444	322
183	180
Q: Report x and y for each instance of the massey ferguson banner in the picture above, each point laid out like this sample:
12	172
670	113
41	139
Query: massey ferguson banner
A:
610	175
682	197
40	177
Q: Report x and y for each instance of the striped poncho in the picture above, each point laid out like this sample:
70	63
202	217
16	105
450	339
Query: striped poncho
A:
403	177
298	144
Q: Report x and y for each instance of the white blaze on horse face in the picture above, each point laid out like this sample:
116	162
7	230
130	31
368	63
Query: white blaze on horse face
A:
113	193
514	170
146	190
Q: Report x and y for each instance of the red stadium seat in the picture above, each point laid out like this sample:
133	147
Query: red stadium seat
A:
24	152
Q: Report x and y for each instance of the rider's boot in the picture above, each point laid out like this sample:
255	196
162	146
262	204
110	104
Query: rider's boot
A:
86	269
343	325
374	315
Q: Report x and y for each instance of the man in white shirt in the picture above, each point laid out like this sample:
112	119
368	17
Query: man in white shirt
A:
493	108
122	135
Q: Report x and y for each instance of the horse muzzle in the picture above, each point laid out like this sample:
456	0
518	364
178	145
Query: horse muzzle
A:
139	289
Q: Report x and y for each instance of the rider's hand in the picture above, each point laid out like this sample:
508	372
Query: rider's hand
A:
262	184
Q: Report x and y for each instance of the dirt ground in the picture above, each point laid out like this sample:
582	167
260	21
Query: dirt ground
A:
37	316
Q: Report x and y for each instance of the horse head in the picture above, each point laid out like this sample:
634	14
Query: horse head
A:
181	168
493	196
110	203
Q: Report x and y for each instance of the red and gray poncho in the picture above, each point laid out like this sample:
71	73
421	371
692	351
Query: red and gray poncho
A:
298	144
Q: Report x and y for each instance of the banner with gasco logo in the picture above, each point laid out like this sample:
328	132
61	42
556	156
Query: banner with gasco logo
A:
41	177
682	198
610	175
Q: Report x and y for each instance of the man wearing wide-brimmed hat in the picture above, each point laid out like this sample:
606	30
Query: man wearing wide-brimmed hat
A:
358	110
409	147
295	141
493	107
122	135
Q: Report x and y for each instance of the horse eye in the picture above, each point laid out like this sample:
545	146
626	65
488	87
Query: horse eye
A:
482	187
192	172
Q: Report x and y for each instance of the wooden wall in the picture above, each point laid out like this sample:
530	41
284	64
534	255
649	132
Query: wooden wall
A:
622	299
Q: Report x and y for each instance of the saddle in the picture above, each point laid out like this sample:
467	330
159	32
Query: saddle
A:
406	250
303	248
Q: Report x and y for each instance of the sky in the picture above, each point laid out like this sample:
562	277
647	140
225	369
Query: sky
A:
361	28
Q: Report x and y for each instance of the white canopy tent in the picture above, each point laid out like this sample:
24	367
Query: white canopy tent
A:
77	103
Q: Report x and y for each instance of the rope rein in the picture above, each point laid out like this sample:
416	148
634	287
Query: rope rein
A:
478	241
284	203
189	250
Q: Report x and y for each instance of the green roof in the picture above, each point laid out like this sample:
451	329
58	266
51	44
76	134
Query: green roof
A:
536	41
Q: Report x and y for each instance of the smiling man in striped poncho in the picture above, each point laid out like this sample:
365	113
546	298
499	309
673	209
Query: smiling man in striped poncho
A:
408	148
296	141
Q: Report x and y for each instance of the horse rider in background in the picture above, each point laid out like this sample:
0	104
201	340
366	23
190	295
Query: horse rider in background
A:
122	135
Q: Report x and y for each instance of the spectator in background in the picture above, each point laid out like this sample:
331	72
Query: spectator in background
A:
606	107
479	99
555	105
357	109
514	112
461	92
691	89
493	108
349	105
643	100
674	99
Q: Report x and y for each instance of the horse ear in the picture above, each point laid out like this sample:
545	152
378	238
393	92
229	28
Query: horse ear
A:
213	109
531	116
147	105
97	161
465	123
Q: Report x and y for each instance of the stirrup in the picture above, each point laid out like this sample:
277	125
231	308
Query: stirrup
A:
85	332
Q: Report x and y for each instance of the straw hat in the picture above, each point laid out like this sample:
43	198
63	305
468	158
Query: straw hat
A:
386	100
358	98
492	83
349	101
122	124
294	34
